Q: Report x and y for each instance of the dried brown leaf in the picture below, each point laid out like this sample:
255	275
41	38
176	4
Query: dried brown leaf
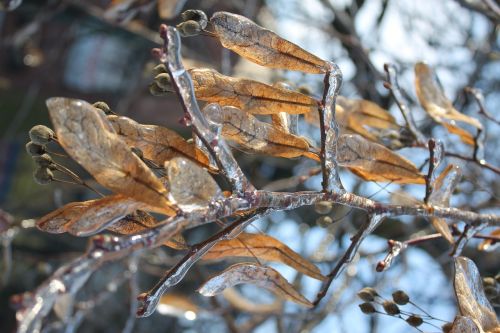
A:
248	95
374	162
263	247
438	106
189	185
254	135
157	143
472	301
261	276
360	117
465	325
86	135
263	46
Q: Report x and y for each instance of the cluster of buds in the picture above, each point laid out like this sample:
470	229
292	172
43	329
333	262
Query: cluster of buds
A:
491	289
41	136
376	304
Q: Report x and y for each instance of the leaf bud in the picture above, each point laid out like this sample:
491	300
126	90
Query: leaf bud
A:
35	149
189	28
324	221
367	294
323	207
164	82
103	106
155	90
400	297
489	282
43	161
414	320
159	69
390	308
367	308
43	176
41	134
195	15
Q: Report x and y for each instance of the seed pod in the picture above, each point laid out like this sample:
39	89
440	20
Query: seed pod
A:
390	308
43	176
367	308
446	328
159	69
155	90
489	282
195	15
41	134
367	294
164	82
400	297
414	320
324	221
323	207
103	106
35	149
43	161
189	28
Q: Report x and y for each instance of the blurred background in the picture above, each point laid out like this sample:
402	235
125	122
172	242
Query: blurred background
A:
100	51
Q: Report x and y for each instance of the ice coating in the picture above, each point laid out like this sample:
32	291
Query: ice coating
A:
471	298
190	186
444	185
333	82
184	87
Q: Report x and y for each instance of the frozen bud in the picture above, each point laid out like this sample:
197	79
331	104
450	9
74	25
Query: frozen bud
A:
367	308
446	328
43	161
400	297
138	152
34	149
155	90
414	320
189	28
390	308
103	106
43	176
164	82
324	221
367	294
159	69
195	15
41	134
489	282
323	207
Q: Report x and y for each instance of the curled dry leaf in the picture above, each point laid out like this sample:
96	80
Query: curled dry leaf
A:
489	244
263	46
374	162
254	135
86	135
443	188
157	143
189	185
263	247
248	95
261	276
438	106
472	301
